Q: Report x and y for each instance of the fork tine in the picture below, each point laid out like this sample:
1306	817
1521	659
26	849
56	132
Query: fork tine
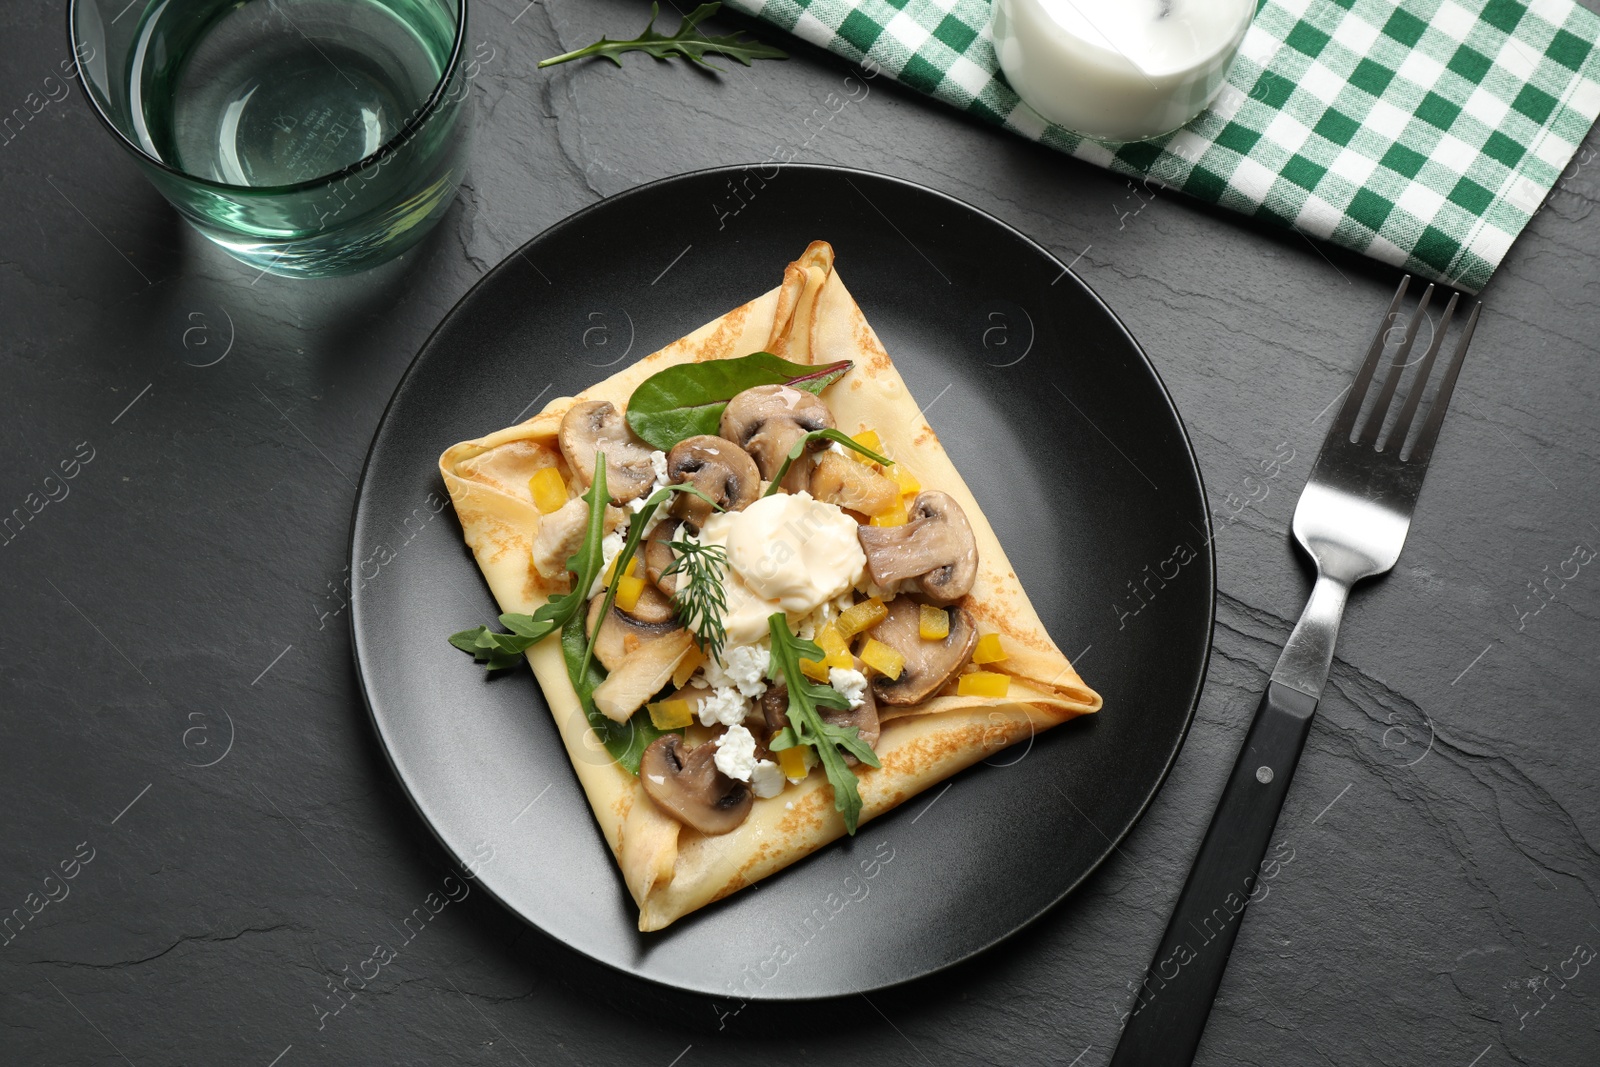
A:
1422	451
1345	421
1419	384
1391	378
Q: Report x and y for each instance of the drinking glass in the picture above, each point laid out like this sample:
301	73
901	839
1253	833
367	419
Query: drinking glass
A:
306	137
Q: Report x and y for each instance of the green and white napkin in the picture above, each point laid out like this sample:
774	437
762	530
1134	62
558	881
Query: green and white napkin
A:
1423	133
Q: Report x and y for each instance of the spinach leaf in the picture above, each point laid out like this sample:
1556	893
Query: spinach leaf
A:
625	741
687	399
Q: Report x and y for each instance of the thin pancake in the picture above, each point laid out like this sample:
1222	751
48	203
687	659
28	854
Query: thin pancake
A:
670	869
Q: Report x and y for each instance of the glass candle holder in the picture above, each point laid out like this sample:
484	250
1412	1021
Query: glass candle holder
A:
305	137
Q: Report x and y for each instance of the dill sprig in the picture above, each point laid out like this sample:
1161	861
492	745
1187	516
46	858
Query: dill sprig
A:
700	598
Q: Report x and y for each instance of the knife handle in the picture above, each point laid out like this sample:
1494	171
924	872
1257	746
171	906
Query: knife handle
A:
1163	1026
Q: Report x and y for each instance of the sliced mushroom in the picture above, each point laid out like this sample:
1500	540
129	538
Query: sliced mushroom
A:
775	709
596	426
686	784
841	480
929	664
624	633
767	420
718	468
935	546
561	534
658	555
645	672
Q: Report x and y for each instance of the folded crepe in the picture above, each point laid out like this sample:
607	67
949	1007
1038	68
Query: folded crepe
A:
672	869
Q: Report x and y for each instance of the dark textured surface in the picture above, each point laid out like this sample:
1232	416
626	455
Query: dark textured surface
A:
473	771
1444	820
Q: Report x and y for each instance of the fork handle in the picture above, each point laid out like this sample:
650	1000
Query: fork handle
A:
1163	1026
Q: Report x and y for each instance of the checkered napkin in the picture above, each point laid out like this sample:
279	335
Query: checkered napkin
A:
1423	133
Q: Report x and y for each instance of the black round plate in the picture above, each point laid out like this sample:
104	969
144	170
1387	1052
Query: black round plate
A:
1054	417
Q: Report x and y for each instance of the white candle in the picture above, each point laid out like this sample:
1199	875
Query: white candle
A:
1118	70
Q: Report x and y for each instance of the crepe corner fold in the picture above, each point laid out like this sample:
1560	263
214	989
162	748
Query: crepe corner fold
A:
670	869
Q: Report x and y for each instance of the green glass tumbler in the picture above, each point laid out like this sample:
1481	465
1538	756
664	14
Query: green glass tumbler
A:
308	138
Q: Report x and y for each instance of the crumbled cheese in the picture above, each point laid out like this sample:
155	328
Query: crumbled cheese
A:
736	753
746	666
658	460
723	707
826	612
766	780
610	545
851	684
741	667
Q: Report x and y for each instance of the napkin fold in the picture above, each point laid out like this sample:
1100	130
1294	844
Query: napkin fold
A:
1424	134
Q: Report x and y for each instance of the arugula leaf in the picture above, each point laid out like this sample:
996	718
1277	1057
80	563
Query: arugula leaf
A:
500	651
635	534
828	434
688	43
625	741
687	399
808	727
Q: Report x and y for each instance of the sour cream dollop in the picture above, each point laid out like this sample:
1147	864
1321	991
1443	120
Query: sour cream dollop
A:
786	552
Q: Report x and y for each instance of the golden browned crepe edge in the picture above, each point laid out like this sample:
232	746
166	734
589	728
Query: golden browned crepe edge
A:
671	870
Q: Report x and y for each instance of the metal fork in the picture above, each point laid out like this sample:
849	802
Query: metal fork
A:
1352	520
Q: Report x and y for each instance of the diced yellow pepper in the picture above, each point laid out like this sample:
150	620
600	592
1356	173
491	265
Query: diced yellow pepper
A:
831	640
549	490
670	714
989	650
629	589
866	439
983	684
792	762
933	623
860	616
842	660
909	486
816	670
611	569
883	659
894	516
692	661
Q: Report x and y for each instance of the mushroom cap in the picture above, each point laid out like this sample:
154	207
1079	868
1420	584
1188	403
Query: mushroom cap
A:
658	555
653	618
935	546
686	785
596	426
718	468
929	664
843	481
766	420
775	710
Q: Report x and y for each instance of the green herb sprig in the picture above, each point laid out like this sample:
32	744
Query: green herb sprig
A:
635	534
828	434
687	43
701	598
688	398
806	724
497	651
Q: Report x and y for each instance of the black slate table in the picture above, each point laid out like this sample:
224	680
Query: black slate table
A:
180	602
